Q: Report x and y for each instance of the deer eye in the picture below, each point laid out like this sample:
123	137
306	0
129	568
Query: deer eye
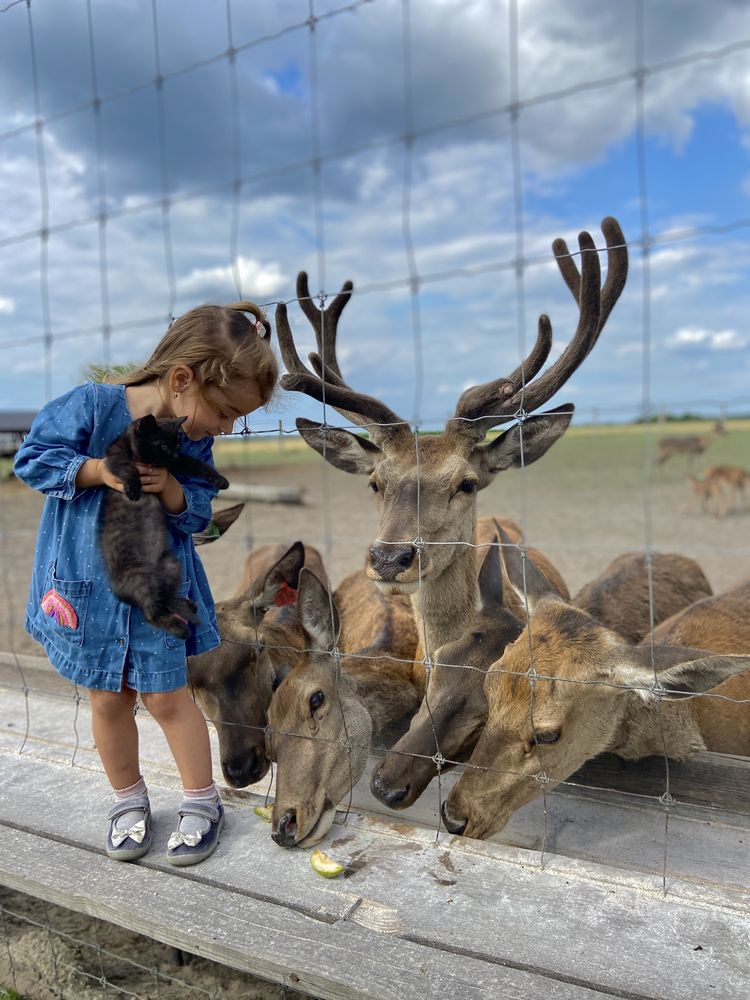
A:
316	700
467	486
549	736
374	486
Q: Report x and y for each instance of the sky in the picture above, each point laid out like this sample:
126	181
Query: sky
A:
419	149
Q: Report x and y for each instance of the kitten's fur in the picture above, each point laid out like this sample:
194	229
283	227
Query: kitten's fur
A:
142	566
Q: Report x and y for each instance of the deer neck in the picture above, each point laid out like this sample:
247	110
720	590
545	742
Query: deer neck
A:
651	730
444	607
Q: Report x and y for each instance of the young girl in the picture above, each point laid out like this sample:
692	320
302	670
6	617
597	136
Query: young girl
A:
213	365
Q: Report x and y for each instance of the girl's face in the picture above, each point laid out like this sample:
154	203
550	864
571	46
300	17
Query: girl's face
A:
212	411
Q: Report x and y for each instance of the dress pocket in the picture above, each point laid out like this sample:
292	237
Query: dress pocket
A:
63	608
173	641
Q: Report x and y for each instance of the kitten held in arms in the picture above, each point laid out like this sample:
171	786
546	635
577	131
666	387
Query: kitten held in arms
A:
142	566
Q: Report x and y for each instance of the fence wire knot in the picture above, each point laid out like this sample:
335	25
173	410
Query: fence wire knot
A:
542	778
666	799
427	663
521	415
419	544
438	760
657	689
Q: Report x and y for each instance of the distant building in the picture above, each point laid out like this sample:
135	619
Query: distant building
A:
14	426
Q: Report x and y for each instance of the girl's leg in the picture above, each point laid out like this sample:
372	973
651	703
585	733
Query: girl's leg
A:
187	734
116	735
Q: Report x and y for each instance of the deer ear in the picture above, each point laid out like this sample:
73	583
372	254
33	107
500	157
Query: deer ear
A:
681	671
318	613
491	579
348	452
282	579
221	521
529	583
522	444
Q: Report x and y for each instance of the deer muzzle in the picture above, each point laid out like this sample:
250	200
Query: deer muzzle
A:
388	561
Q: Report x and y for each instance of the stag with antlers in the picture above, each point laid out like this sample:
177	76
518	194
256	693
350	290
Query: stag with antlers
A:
426	486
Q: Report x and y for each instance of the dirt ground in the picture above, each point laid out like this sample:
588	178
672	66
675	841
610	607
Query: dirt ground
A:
580	528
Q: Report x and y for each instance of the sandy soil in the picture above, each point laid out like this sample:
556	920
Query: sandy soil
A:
581	530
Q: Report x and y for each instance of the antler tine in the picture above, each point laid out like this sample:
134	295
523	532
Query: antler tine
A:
493	396
617	267
326	384
324	321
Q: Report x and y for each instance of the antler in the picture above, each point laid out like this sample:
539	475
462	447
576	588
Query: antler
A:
326	383
484	406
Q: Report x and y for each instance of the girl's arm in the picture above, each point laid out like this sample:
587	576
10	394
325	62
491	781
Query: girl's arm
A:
197	495
53	453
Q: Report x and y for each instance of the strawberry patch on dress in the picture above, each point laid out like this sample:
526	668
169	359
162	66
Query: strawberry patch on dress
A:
58	608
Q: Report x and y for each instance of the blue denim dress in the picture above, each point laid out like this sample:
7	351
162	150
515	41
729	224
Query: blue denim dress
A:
90	636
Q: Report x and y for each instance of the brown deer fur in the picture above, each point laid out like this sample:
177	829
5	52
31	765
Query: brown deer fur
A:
591	692
621	596
688	444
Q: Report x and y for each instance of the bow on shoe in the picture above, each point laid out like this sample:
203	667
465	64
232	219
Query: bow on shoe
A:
189	839
136	832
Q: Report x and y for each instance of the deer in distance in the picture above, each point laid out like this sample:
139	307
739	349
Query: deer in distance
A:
591	692
732	477
690	445
426	486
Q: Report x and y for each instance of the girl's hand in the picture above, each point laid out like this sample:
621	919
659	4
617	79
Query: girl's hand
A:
153	479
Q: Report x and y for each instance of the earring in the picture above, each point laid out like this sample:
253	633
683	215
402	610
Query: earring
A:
176	395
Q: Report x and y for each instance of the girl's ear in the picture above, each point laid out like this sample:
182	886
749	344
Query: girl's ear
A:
180	377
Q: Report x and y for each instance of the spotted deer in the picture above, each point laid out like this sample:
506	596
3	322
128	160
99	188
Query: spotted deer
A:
426	486
733	477
590	692
688	444
327	710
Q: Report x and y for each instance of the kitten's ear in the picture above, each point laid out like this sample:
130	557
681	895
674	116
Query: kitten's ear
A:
180	420
148	423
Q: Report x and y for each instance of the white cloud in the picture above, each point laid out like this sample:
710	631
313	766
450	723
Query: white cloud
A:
7	306
258	281
716	340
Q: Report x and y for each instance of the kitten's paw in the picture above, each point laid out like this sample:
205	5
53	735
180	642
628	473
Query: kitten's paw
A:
176	626
221	482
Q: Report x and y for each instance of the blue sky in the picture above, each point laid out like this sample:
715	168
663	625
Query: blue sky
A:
347	93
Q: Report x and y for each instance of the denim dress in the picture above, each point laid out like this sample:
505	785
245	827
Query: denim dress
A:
90	636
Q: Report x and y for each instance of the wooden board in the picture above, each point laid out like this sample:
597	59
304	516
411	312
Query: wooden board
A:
422	914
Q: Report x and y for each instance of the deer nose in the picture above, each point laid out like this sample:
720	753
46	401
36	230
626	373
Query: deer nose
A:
456	826
391	797
285	832
245	770
390	560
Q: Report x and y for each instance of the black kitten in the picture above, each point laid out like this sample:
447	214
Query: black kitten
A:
142	566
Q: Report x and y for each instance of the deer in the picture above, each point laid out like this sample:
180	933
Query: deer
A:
569	688
426	487
734	477
688	444
707	495
232	683
262	640
447	725
326	711
629	599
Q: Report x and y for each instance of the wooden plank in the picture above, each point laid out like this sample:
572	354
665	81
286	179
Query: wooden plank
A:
705	845
713	779
340	960
569	922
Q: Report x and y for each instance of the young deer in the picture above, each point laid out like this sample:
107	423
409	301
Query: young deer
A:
734	477
233	683
324	713
688	444
707	495
454	710
568	689
426	486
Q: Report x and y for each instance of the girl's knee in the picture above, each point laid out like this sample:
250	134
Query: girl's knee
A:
112	704
165	706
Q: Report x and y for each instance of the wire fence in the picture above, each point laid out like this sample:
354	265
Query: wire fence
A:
428	675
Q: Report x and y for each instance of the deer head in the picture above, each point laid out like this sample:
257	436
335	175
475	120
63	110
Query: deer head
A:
426	486
562	693
454	708
233	683
320	730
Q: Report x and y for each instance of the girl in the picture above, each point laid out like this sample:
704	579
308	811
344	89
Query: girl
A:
213	366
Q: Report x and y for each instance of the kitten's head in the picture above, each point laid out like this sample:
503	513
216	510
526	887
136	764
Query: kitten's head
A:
155	442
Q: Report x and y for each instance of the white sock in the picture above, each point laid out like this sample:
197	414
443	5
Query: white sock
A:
197	824
129	819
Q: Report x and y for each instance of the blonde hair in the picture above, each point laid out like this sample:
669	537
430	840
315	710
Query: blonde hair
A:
220	345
